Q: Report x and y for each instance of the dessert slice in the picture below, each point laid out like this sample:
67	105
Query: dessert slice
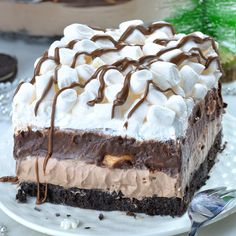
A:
120	119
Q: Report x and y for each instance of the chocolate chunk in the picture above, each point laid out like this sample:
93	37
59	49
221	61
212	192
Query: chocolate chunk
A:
8	68
68	215
130	213
101	216
21	196
87	227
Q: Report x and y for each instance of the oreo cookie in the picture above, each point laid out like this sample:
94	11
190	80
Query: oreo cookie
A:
8	68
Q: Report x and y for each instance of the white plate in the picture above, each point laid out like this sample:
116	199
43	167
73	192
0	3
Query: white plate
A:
115	223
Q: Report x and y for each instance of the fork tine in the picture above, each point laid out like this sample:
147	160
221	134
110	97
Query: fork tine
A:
214	190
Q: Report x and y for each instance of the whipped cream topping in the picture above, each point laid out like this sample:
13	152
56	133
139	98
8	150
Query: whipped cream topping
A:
133	81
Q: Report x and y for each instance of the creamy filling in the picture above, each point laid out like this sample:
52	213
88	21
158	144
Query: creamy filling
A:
132	183
199	153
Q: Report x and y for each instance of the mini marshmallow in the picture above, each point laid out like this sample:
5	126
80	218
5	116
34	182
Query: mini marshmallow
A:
78	31
93	86
54	45
156	97
41	82
97	62
111	57
113	77
26	94
85	97
101	43
126	24
151	48
66	100
179	91
139	80
197	67
47	66
140	112
158	114
112	90
190	105
133	52
85	71
199	91
156	35
166	29
66	56
66	76
85	45
177	104
166	74
188	78
208	80
171	54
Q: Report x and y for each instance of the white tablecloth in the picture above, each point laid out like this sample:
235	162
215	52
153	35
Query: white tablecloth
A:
26	55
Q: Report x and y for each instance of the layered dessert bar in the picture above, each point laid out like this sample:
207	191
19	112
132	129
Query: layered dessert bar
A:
122	119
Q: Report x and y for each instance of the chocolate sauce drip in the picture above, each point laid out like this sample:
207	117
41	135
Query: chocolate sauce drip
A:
44	94
104	37
9	179
121	65
122	96
100	96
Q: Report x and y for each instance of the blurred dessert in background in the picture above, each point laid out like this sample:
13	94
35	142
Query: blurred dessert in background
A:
8	68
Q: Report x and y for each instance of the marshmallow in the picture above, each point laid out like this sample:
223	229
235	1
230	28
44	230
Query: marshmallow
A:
112	90
133	52
188	78
160	115
177	104
171	54
197	67
41	82
66	76
93	86
151	48
111	57
178	90
97	62
54	45
126	24
199	91
26	94
139	80
136	37
85	45
113	76
166	74
101	43
156	97
66	56
46	66
66	100
85	71
140	112
190	105
208	80
156	35
85	97
166	29
78	31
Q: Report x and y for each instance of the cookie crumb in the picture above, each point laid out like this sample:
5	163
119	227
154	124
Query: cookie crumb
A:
57	214
68	215
130	213
87	227
37	209
101	216
21	196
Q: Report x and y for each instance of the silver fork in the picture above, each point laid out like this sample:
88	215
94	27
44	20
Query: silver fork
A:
208	204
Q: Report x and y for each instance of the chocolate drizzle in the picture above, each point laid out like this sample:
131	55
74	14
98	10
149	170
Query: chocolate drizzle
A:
120	65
